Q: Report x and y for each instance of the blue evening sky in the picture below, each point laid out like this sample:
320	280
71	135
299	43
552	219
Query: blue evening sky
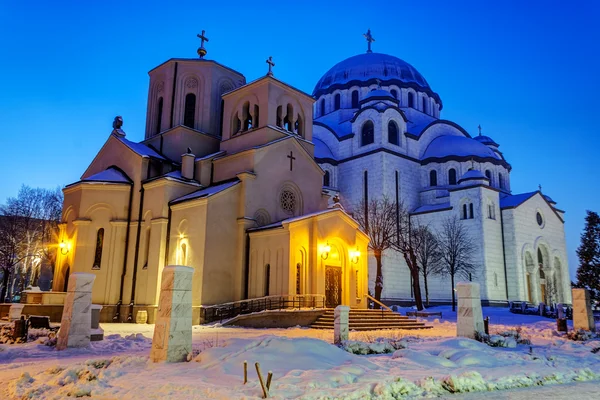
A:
527	71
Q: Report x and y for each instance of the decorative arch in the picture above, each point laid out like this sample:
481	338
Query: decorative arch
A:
99	207
262	217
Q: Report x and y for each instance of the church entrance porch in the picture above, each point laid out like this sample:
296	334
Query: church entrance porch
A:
321	254
333	286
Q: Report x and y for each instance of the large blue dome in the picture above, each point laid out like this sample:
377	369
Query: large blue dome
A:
367	68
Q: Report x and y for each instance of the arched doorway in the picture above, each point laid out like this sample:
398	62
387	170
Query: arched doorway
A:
542	265
529	267
66	278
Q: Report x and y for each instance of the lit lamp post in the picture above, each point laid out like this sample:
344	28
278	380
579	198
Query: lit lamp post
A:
354	256
325	251
64	248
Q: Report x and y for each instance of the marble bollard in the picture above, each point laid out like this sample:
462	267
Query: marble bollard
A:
76	322
583	318
469	315
96	333
560	311
341	325
14	313
172	341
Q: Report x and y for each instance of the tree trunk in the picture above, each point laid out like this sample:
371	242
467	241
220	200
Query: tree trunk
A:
453	293
426	290
5	277
379	278
417	289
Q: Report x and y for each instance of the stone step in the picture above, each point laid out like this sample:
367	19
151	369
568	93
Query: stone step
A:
368	318
362	323
377	327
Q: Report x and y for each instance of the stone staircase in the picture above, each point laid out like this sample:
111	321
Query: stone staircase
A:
368	320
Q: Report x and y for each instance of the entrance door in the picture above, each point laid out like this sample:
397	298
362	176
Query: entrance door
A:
333	286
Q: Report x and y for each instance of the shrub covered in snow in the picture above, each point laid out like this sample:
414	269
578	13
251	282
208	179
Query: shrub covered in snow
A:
377	346
508	339
582	335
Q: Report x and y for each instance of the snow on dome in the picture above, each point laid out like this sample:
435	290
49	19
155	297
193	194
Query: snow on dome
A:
473	174
366	68
486	140
457	146
378	94
322	151
549	199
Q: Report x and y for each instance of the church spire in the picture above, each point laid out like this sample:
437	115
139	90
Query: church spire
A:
370	39
201	50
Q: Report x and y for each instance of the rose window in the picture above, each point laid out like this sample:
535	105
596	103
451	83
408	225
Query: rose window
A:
287	200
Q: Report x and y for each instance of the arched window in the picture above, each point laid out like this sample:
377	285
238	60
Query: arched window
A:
452	176
336	101
368	134
189	110
247	122
159	112
299	126
394	93
146	249
279	121
298	278
464	212
424	100
355	99
99	245
471	211
326	179
488	174
322	107
267	279
393	133
500	181
411	99
255	120
432	178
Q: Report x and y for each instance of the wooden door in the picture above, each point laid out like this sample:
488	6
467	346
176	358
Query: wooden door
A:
333	286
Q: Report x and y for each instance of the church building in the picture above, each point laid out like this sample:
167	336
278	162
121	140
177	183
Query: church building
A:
378	132
243	181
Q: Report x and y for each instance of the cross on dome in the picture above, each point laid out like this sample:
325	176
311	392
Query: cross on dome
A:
271	65
201	50
479	127
370	39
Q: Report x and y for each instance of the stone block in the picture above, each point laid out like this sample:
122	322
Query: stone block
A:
341	324
76	322
172	340
469	314
583	317
14	313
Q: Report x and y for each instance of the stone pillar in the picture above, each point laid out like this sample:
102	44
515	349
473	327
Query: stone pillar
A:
96	333
583	318
172	341
341	324
76	322
14	313
469	315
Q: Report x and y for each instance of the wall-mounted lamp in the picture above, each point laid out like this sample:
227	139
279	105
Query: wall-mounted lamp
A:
354	256
325	251
64	248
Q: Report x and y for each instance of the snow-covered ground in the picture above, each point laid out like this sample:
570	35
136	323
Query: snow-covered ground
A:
430	363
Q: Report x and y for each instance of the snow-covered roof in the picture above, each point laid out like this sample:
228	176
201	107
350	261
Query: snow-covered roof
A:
110	175
473	174
140	149
322	151
460	146
432	208
206	192
378	94
332	121
486	140
417	121
549	199
515	200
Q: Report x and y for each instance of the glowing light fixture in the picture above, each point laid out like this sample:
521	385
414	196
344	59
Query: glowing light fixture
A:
354	256
64	248
325	251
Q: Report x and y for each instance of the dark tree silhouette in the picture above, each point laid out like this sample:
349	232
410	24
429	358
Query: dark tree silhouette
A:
457	250
428	255
588	272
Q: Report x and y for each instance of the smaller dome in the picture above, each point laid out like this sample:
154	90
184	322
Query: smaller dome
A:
379	94
488	141
322	151
473	175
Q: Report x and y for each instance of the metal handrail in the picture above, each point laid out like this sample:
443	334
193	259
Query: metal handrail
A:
374	300
278	302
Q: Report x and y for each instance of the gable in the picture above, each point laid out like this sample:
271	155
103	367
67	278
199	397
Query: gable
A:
116	153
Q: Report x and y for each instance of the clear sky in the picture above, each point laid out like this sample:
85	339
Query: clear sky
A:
527	71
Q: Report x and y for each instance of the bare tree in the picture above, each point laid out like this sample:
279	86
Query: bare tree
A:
428	255
407	243
28	224
457	251
377	219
